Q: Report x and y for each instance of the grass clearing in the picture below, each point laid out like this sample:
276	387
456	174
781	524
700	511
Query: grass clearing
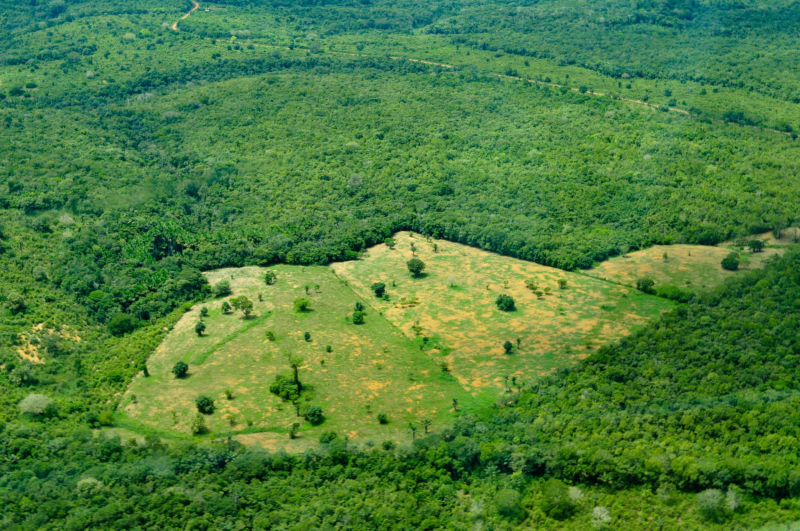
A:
451	310
432	340
691	267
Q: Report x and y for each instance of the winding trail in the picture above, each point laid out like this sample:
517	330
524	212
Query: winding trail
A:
195	5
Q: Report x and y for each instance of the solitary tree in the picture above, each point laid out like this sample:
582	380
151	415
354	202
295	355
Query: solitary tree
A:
313	415
243	304
508	347
383	418
756	246
270	277
295	362
180	369
199	328
646	285
379	288
358	317
413	428
198	425
226	307
204	312
204	405
222	289
426	424
562	283
390	243
505	303
415	266
307	336
302	304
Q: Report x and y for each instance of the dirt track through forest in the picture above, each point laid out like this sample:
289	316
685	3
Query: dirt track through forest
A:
194	8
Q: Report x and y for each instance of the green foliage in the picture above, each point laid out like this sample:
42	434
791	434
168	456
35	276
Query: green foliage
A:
36	404
302	304
415	267
244	304
198	425
509	504
199	328
205	405
121	324
285	387
383	418
505	303
379	288
328	437
180	369
358	317
222	289
313	414
508	346
756	246
646	285
731	262
270	277
226	307
556	502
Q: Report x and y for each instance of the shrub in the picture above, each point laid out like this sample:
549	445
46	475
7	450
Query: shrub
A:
106	418
383	418
307	336
358	317
415	266
198	425
505	303
180	369
731	262
226	307
313	414
270	335
222	289
562	283
508	346
327	437
36	404
270	277
204	311
358	306
199	328
302	304
204	405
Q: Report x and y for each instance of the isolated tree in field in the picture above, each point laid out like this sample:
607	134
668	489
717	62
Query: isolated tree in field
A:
198	425
756	246
302	304
358	317
647	285
203	312
270	277
222	289
358	306
415	266
180	369
313	414
307	336
426	424
731	262
243	304
562	283
390	243
413	428
505	303
293	430
226	307
508	347
295	362
204	405
383	418
379	288
199	328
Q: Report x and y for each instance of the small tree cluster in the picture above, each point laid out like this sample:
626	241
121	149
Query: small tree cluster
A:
505	303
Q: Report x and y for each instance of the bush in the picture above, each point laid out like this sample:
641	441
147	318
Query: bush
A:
508	346
646	285
121	324
379	288
180	369
505	303
198	425
313	414
270	277
327	437
358	317
226	307
199	328
36	404
222	289
204	405
383	418
731	262
302	304
415	266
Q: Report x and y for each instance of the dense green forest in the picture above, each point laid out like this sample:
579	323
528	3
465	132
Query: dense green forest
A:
133	156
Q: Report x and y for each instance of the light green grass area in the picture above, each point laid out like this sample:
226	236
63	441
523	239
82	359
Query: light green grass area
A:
692	267
372	368
451	310
433	340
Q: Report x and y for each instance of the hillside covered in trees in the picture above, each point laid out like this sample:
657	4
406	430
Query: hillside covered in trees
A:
139	149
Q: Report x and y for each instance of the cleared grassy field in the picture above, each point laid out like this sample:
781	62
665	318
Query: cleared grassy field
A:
372	368
433	340
691	267
451	310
